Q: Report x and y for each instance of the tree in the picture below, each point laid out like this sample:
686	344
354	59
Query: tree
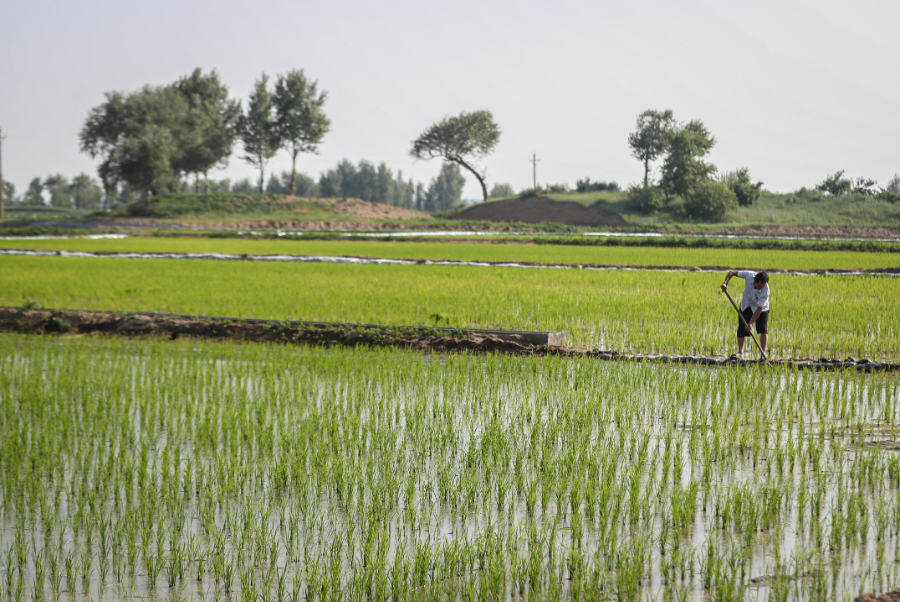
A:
460	140
651	138
85	192
739	183
211	121
683	167
33	197
258	129
893	184
58	187
143	159
710	200
9	192
865	187
300	122
445	191
502	191
835	184
127	121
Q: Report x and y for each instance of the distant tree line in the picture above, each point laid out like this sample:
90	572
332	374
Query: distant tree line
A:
156	137
82	192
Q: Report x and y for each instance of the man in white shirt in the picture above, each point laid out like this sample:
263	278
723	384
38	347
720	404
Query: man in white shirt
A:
754	306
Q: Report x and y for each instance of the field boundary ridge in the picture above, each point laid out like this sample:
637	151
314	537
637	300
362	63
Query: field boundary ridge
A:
25	320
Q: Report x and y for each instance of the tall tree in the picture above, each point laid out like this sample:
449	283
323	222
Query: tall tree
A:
143	159
445	191
211	123
258	128
58	187
650	138
85	192
125	123
300	121
33	197
461	140
684	167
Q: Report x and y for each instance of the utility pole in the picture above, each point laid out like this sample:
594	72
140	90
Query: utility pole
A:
1	173
534	161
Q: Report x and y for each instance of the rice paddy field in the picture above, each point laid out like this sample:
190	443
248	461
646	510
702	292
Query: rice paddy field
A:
626	311
179	470
473	251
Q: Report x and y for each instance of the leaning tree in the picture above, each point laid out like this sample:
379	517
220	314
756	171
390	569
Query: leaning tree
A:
461	140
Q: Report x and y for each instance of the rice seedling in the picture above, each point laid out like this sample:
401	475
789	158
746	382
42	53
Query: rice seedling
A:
625	311
273	472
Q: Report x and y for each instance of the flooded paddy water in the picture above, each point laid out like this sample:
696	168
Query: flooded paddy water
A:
153	470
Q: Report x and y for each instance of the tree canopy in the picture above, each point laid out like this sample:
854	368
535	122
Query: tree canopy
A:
182	128
462	140
651	138
300	121
258	128
684	167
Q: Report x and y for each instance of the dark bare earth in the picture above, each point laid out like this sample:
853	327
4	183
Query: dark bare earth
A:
540	209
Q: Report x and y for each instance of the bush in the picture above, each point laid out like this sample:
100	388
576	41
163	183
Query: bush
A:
888	196
710	200
809	195
586	185
646	200
502	191
740	184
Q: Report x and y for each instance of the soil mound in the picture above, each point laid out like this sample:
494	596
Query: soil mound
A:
538	209
358	208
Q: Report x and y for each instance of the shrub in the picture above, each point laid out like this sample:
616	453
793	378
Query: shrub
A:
646	200
809	195
586	185
710	200
835	184
740	184
502	191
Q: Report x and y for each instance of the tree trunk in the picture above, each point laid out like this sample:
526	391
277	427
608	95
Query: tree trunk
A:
262	174
206	181
646	173
293	171
476	174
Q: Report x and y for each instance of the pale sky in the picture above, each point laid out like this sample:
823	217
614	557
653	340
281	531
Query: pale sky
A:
792	90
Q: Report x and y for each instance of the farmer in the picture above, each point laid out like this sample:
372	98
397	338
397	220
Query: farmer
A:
754	307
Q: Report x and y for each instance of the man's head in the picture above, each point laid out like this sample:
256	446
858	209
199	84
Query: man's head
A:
760	280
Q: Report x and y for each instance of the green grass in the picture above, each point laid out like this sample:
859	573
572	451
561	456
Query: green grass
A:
201	207
186	470
468	251
770	210
627	311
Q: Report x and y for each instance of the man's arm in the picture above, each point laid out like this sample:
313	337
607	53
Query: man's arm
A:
754	317
728	277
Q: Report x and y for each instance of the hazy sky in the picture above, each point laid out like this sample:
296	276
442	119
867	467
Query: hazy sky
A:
793	90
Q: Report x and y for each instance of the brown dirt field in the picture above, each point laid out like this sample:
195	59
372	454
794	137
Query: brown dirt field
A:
358	208
537	209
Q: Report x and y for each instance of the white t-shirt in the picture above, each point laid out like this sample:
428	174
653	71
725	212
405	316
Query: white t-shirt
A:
753	298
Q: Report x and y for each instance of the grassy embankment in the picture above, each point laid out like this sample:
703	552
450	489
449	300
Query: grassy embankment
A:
770	210
625	311
574	253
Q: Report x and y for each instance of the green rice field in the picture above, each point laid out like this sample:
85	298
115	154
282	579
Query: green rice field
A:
627	311
193	471
469	251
